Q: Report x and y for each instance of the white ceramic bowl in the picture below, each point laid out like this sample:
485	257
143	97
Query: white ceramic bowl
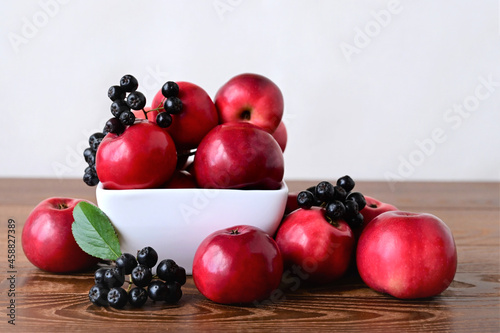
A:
175	221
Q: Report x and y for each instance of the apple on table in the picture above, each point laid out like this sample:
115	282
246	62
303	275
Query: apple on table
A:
48	241
407	255
373	208
323	250
241	264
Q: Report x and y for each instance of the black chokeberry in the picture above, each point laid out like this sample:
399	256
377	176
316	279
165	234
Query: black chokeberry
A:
126	262
305	199
98	295
90	168
95	140
89	156
351	208
129	83
355	221
90	177
117	297
173	105
147	257
113	277
346	182
180	275
137	296
335	210
163	119
141	275
116	92
339	193
166	270
118	106
174	293
325	191
136	100
170	89
99	276
127	118
157	290
317	202
114	125
359	198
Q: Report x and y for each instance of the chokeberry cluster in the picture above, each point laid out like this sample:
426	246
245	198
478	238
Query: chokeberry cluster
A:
338	200
125	98
171	105
136	271
90	175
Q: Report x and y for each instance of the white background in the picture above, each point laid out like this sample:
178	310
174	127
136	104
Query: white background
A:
371	88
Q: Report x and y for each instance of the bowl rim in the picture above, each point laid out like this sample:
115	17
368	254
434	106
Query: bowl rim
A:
100	187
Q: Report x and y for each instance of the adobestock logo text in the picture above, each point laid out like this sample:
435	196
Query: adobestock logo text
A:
32	25
453	117
363	37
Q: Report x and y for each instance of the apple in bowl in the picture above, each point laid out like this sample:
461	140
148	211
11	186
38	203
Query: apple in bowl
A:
239	155
250	98
197	118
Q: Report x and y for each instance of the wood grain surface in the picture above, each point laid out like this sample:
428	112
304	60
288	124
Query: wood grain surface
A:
47	302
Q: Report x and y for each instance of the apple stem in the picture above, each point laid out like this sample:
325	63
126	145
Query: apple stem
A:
62	205
235	232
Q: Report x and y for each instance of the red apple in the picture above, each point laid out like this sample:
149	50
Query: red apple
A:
250	98
239	155
47	240
143	156
181	179
281	136
372	209
308	241
197	118
407	255
241	264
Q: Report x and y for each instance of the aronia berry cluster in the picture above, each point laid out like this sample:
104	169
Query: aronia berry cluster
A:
338	200
136	271
126	98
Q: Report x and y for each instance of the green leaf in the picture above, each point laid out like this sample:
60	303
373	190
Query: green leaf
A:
94	232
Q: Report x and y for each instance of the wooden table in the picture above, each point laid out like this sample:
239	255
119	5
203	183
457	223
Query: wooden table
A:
51	302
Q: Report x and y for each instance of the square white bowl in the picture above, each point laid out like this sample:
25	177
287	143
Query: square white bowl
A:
175	221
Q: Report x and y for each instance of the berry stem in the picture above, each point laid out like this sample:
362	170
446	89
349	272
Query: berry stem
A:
332	222
145	113
129	281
